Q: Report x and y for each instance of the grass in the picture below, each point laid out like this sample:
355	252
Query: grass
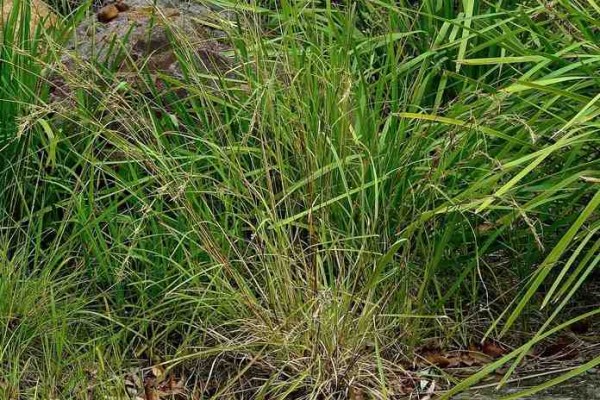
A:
367	177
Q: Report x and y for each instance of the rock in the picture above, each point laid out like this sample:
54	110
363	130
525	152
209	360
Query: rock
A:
137	45
143	31
40	13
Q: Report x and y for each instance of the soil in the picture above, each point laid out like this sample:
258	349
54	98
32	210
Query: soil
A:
582	387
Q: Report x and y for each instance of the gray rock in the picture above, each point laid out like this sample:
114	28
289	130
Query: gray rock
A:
142	36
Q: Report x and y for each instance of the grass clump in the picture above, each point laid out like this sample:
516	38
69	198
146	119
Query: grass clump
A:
365	177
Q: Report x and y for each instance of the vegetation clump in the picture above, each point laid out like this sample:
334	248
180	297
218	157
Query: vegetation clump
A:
321	199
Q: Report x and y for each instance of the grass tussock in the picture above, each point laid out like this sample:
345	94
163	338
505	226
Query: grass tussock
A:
364	178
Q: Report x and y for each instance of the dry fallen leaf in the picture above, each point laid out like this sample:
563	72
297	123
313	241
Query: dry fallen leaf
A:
403	386
454	361
562	349
158	371
172	387
467	360
150	391
437	359
492	349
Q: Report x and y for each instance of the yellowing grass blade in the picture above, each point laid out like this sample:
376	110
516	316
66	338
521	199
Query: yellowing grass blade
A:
502	60
594	5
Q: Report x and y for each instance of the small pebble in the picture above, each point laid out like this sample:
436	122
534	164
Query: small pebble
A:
108	13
